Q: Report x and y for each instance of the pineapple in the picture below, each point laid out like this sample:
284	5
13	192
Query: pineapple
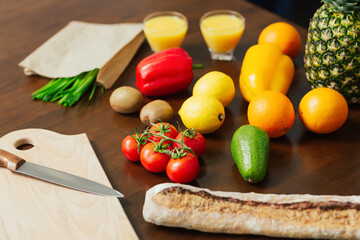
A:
332	51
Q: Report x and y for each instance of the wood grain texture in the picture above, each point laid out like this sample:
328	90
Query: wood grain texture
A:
35	209
299	162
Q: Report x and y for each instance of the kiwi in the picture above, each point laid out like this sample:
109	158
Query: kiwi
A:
126	100
156	111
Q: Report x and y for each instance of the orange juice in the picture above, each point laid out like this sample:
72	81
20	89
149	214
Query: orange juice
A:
222	32
164	31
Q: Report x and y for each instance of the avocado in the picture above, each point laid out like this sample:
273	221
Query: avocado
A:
250	147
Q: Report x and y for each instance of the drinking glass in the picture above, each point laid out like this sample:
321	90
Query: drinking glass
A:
165	29
222	30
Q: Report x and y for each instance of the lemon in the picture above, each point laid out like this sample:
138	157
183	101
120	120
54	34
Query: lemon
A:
205	114
216	84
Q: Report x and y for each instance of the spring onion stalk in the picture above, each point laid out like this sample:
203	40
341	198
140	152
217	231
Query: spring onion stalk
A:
68	91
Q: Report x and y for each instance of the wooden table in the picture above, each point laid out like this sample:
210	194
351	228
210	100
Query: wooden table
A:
299	162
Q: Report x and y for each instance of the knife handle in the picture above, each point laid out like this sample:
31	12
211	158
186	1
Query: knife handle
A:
10	161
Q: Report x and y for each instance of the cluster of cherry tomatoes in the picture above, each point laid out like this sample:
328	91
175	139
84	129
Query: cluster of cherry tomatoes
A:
162	148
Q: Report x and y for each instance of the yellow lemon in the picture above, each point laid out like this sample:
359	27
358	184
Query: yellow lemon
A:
216	84
205	114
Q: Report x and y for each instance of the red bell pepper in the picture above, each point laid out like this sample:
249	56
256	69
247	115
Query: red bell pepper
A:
165	72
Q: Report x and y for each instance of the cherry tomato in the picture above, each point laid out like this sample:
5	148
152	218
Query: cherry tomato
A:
129	147
195	141
153	161
165	128
184	169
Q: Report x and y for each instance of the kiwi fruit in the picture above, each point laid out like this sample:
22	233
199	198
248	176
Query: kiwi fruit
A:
126	100
156	111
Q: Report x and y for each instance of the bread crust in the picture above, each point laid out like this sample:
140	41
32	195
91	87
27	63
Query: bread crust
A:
277	215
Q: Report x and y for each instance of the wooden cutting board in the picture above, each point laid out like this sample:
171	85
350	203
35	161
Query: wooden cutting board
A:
35	209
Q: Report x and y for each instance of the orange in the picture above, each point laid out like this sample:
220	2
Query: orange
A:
323	110
271	111
284	35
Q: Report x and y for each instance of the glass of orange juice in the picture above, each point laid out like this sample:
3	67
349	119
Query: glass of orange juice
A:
222	30
166	29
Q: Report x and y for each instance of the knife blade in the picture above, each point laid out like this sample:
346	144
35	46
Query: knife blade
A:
19	165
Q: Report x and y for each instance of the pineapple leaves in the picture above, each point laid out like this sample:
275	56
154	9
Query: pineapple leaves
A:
344	6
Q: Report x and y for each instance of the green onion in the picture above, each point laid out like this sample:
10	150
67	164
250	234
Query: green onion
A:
68	91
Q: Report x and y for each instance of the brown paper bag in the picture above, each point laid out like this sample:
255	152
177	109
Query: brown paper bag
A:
81	47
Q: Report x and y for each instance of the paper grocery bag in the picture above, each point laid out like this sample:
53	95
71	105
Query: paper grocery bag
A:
81	47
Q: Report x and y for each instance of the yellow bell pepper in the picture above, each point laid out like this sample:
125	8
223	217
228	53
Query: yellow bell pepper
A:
264	68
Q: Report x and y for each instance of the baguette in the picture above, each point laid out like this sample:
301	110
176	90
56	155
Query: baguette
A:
276	215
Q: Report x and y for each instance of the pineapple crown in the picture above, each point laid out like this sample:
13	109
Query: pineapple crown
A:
344	6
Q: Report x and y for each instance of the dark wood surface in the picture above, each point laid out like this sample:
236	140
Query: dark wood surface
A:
299	162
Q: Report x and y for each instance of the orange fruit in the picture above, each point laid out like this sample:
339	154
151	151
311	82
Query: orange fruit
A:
323	110
284	35
271	111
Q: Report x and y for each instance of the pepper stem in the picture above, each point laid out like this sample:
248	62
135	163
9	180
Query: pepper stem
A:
197	66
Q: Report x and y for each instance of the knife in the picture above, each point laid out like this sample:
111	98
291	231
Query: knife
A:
19	165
